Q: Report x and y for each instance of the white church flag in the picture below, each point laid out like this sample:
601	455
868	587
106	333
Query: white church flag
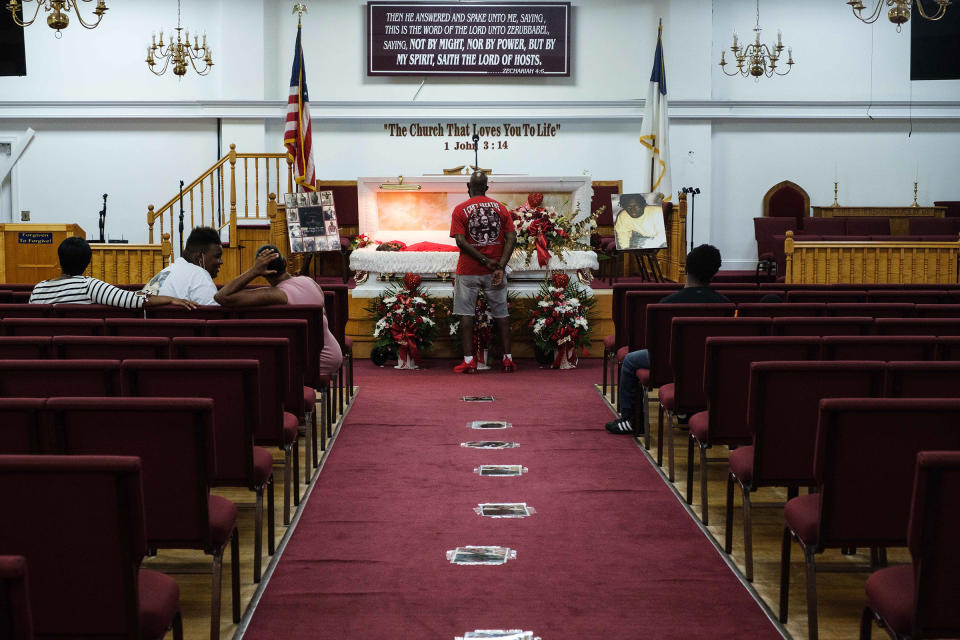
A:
653	132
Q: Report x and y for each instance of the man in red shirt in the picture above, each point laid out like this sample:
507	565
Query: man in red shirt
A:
486	237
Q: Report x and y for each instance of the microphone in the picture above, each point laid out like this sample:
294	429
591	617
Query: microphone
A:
103	219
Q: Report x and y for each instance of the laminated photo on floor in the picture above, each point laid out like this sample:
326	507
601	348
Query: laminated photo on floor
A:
489	424
489	444
501	470
474	555
504	510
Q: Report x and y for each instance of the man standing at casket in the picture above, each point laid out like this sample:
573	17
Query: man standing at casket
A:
486	237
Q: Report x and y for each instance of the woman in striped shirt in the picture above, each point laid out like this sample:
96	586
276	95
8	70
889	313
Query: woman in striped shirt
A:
73	287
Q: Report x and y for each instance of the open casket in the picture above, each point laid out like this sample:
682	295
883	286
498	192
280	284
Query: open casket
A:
421	215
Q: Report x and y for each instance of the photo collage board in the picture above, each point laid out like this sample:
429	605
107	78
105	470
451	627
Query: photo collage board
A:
312	222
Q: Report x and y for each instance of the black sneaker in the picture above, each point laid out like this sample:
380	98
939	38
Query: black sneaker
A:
621	427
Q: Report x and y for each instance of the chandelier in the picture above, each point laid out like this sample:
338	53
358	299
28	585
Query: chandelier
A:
899	12
180	52
756	59
59	18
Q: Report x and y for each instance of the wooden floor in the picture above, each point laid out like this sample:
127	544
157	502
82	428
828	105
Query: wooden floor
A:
840	579
191	569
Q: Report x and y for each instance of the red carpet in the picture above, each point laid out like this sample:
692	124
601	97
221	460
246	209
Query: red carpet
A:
610	553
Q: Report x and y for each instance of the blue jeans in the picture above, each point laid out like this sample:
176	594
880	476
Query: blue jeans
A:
628	380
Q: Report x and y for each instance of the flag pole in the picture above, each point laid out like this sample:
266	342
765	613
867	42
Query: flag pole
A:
653	163
299	9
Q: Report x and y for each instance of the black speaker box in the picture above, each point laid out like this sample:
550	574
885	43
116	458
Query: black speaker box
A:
13	57
935	46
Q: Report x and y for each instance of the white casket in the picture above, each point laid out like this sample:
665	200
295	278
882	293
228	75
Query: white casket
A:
423	215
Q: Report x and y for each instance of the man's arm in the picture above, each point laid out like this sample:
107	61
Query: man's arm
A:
471	251
235	294
509	243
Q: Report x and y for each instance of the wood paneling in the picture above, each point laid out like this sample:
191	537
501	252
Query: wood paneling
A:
871	262
128	263
26	262
899	216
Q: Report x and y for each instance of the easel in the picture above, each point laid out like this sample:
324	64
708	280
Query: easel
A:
308	261
646	259
647	263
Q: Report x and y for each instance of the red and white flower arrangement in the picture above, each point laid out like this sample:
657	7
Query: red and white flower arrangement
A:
483	330
560	320
404	322
543	230
361	240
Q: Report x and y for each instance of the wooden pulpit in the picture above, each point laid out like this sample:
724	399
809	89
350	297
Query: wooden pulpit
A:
28	252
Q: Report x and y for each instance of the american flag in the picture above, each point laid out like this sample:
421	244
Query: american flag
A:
298	135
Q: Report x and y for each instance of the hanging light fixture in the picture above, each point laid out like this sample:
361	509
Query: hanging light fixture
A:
59	11
757	60
899	12
180	52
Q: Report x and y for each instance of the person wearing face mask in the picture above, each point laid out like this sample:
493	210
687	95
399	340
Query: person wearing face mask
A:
191	275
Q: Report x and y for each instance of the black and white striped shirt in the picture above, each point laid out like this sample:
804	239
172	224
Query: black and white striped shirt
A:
84	290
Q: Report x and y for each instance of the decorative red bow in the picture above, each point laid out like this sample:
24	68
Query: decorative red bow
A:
543	253
407	339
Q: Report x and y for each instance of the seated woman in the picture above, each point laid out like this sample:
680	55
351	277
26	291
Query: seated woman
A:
73	287
283	289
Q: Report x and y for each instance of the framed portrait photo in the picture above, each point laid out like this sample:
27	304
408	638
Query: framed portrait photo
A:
638	221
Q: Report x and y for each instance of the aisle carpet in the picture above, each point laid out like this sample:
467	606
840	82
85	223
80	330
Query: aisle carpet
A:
609	553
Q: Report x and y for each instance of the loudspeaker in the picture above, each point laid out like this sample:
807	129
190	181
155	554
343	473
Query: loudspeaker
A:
13	56
935	46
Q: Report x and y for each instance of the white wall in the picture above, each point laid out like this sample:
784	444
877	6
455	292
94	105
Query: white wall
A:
874	162
70	164
105	124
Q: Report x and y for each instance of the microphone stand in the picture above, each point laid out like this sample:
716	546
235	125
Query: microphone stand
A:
476	152
692	191
103	220
181	216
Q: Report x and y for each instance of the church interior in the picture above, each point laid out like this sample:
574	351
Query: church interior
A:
728	231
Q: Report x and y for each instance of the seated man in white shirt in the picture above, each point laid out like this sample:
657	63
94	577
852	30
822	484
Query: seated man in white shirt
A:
191	275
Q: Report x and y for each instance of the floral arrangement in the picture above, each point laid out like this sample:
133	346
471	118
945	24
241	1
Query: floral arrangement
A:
360	241
405	322
483	330
543	230
560	321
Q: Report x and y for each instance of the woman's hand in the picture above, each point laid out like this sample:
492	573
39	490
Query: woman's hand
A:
260	265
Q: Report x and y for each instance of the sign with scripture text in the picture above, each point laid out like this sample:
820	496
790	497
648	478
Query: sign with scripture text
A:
460	39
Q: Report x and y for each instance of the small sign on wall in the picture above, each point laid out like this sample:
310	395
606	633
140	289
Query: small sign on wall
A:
457	39
34	237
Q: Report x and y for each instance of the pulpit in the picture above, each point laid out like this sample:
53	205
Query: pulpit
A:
28	252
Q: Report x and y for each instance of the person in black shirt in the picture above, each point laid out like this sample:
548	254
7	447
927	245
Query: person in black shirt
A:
703	262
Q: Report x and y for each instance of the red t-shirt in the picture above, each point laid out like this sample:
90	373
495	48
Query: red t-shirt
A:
483	222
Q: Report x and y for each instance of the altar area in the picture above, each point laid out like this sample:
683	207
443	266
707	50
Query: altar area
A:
422	215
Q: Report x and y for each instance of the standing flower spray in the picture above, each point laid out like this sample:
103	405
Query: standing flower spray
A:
560	320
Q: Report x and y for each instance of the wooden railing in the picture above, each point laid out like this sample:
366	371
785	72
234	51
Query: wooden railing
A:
129	263
205	198
834	262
